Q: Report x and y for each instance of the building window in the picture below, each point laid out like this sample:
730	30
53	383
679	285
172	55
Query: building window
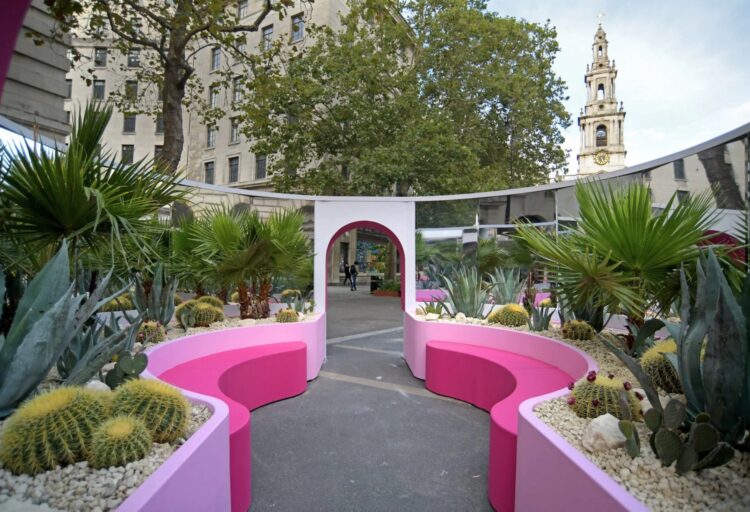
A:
234	169
242	48
131	90
128	150
298	28
134	58
267	37
128	123
213	97
159	123
679	169
260	167
68	88
67	117
237	89
599	52
100	57
208	172
158	151
647	175
98	89
600	92
682	195
215	58
601	135
234	132
210	136
242	8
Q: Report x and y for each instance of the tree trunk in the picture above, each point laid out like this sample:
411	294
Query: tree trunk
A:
175	78
720	175
244	300
223	294
200	291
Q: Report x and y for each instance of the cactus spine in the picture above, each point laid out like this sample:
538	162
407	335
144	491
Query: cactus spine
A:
118	441
578	330
658	367
210	299
511	315
151	332
161	407
51	430
598	394
287	315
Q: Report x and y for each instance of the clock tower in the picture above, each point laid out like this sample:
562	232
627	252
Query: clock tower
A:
601	120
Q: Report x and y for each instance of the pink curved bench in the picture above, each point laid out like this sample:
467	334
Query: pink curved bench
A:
497	381
244	379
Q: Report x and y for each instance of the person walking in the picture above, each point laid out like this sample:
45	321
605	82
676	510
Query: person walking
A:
353	271
347	274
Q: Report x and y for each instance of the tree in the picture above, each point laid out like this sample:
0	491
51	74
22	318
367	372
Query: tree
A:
170	34
392	106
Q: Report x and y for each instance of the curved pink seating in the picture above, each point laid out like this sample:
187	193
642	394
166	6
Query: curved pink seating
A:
496	381
244	379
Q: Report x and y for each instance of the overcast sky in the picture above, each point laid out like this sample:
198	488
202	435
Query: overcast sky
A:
683	66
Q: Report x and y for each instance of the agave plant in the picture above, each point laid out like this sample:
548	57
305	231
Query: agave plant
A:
506	285
465	293
622	254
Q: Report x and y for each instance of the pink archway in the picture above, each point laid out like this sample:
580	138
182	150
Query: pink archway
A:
366	224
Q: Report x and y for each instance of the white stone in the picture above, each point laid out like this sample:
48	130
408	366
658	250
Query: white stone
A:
460	317
96	385
432	316
602	434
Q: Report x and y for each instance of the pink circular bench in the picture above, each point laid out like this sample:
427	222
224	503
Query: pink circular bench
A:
244	379
497	381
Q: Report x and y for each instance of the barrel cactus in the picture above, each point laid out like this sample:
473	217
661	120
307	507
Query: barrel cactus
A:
183	313
118	441
546	303
160	406
151	332
578	330
120	303
600	394
511	315
658	367
206	314
235	297
51	430
287	315
177	300
210	299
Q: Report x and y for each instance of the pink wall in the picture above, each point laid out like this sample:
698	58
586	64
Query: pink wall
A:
13	13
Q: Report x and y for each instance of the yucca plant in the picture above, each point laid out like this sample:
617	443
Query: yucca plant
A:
465	293
622	254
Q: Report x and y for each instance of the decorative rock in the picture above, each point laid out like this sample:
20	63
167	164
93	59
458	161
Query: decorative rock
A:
96	385
460	317
432	316
603	434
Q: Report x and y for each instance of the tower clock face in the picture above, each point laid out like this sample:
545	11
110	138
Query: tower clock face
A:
601	158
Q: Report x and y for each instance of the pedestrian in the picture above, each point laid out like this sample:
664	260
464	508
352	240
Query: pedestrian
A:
353	271
347	274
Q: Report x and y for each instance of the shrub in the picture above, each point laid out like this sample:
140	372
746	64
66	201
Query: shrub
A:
51	430
120	303
287	315
210	299
161	407
151	332
206	314
597	394
118	441
578	330
661	371
511	315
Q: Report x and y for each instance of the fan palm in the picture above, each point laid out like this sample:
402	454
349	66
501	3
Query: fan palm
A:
622	253
83	194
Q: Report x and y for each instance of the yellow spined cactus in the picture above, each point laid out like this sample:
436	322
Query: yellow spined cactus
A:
160	406
661	371
118	441
511	315
598	394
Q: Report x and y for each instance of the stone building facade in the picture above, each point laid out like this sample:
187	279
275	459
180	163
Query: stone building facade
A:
601	122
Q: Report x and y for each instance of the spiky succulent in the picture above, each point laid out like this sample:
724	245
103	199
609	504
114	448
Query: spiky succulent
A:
177	300
183	313
51	430
120	303
658	367
578	330
161	407
151	332
287	315
206	314
210	299
597	394
511	315
118	441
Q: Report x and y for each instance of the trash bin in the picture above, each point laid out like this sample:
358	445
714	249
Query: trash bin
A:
374	283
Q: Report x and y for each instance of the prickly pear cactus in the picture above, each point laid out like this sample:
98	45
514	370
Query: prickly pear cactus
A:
578	330
600	394
160	406
658	367
51	430
511	315
118	441
286	316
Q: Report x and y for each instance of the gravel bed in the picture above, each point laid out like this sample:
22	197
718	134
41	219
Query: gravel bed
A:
80	488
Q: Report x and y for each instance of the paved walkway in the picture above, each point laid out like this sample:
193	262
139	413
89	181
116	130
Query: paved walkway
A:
367	436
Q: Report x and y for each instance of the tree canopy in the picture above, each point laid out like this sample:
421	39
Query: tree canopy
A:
430	97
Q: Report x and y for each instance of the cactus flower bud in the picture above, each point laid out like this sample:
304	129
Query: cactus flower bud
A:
627	385
571	400
610	376
638	395
591	377
595	402
571	385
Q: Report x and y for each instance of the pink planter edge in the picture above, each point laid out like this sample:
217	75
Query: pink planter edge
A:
196	476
